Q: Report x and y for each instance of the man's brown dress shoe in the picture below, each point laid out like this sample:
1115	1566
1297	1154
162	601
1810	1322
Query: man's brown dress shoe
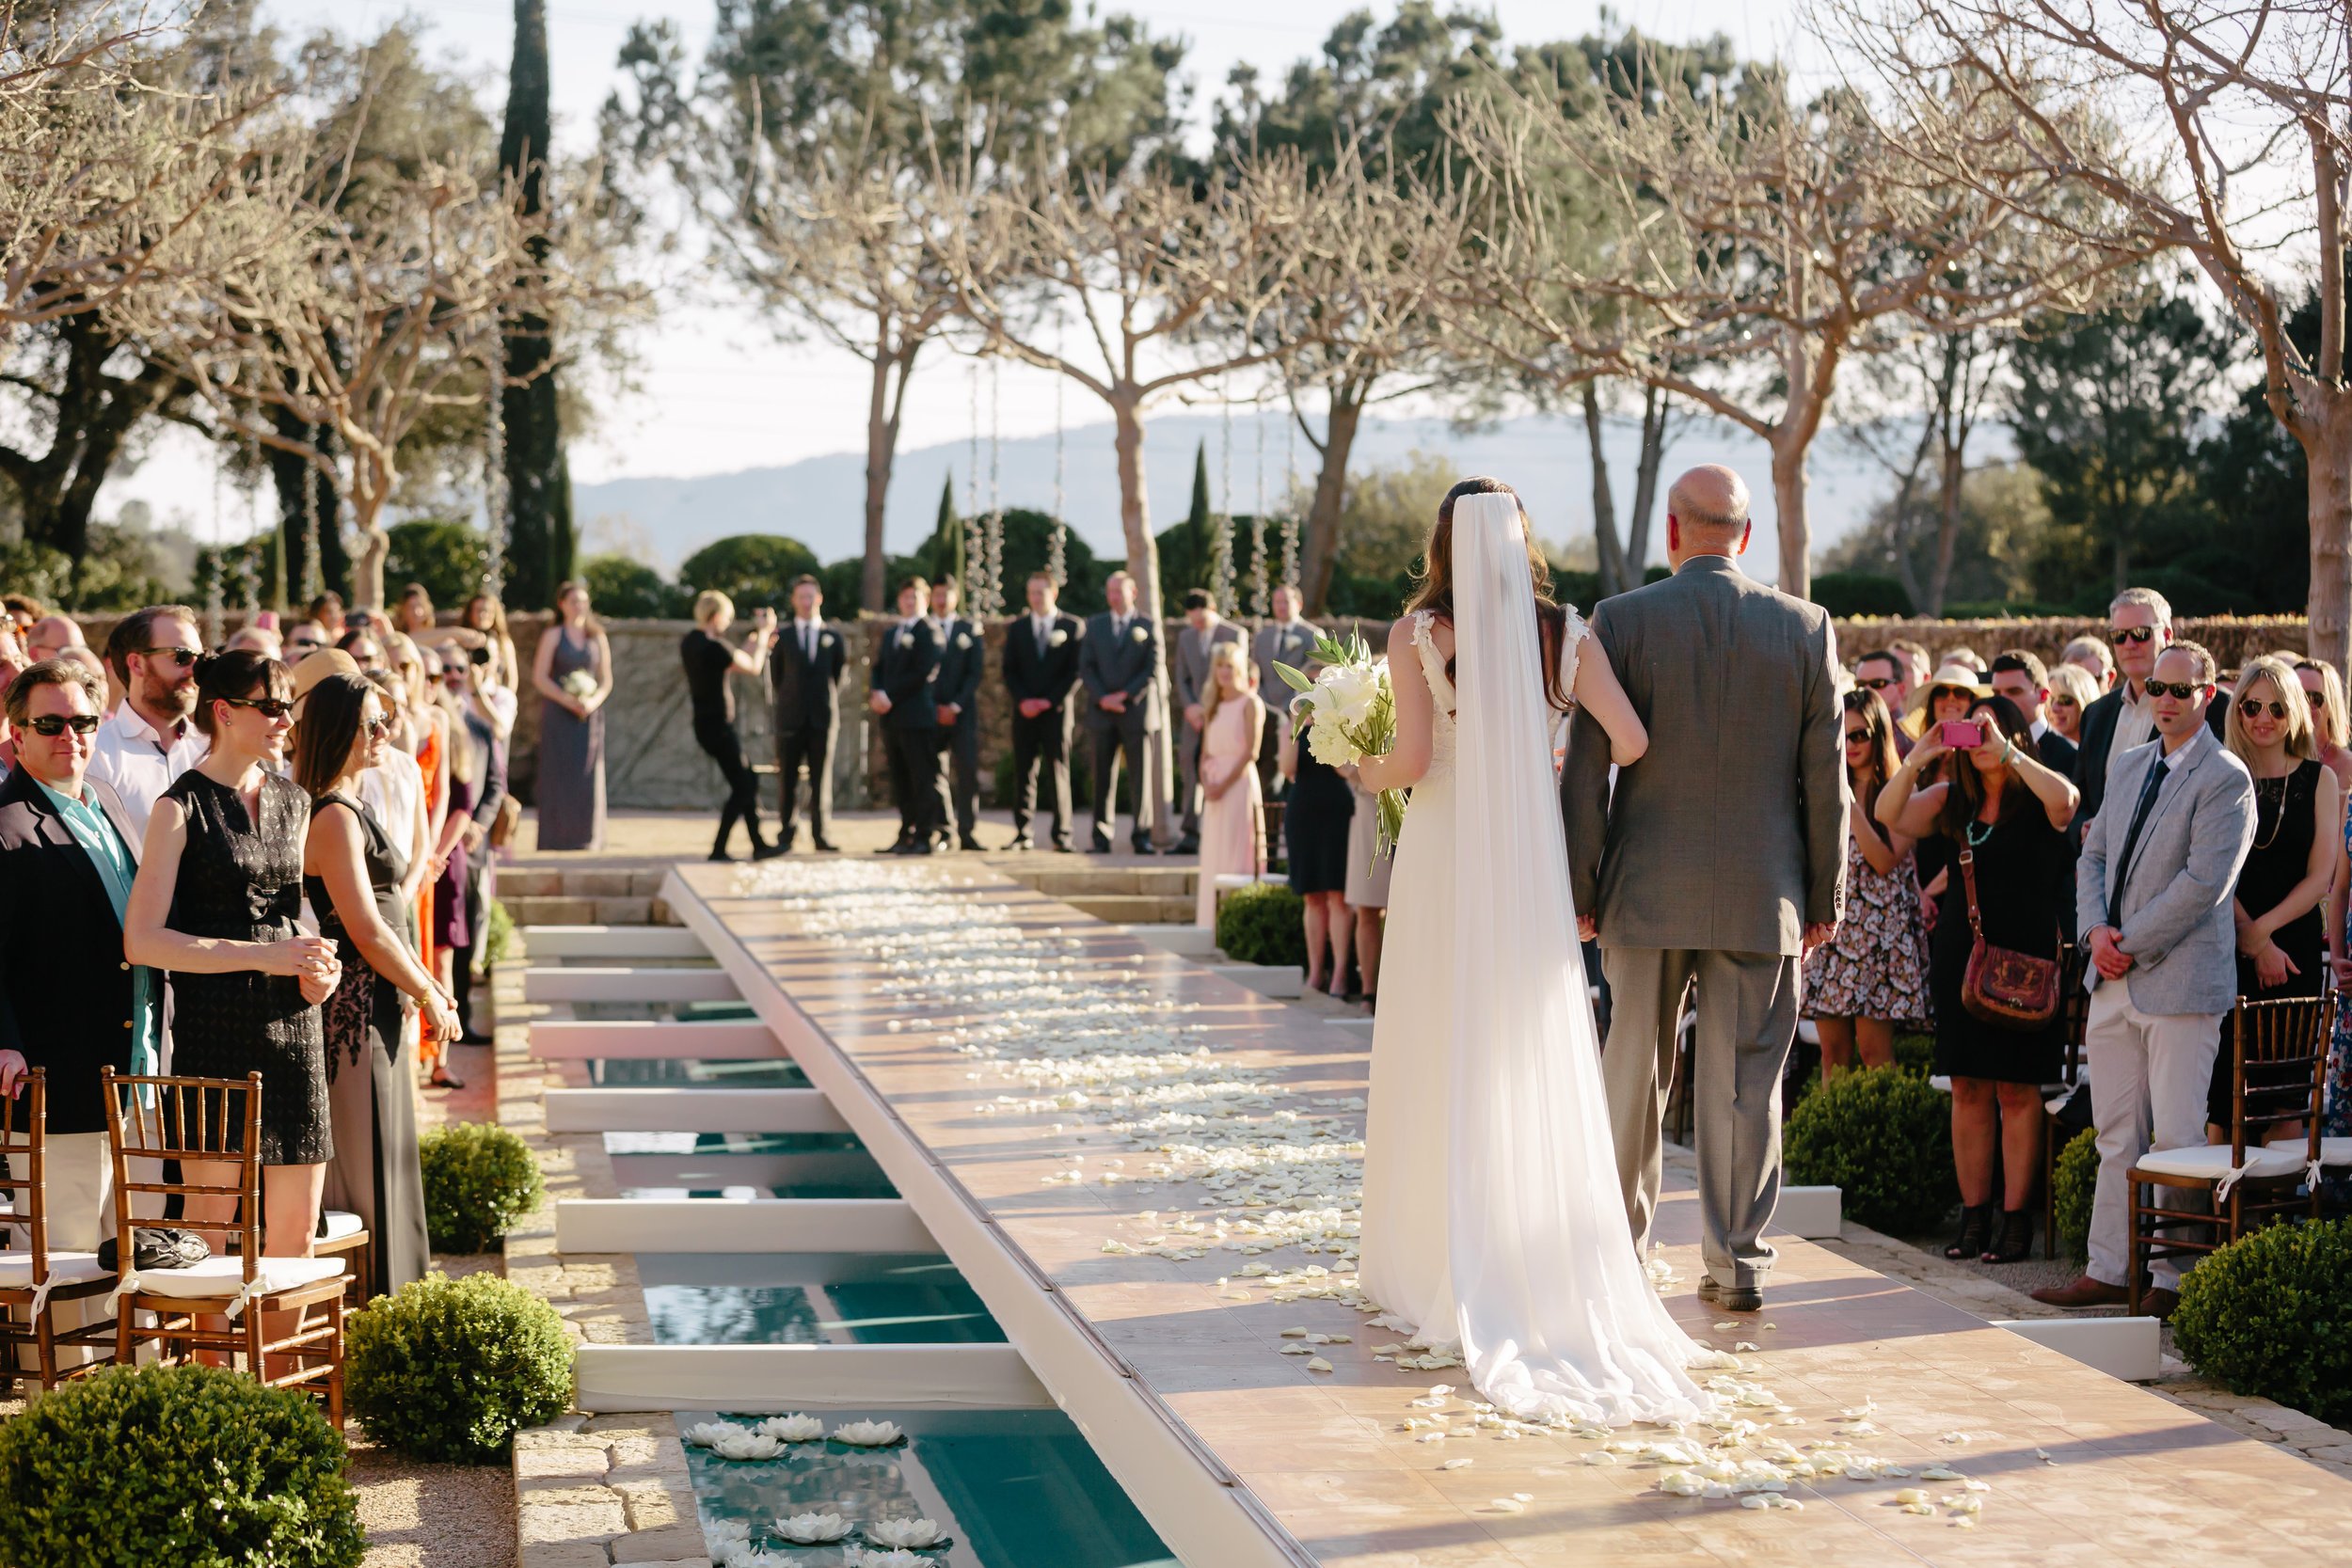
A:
2159	1305
2085	1291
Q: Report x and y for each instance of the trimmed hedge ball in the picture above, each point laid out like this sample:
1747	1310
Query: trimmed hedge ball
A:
479	1179
451	1369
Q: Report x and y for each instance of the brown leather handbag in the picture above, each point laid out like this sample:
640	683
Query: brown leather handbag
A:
2004	987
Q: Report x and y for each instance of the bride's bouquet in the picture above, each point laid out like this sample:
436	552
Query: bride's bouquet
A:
1353	711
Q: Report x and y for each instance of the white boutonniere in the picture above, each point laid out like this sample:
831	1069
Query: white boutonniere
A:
906	640
824	639
1057	638
1141	634
963	640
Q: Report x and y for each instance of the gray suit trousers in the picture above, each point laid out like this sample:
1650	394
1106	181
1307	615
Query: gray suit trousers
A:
1747	1018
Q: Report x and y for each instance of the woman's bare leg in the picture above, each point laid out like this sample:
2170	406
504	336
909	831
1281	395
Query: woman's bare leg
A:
290	1222
1836	1045
1874	1042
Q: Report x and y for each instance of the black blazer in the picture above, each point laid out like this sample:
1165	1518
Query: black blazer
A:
962	659
807	692
1048	675
906	670
2090	766
65	987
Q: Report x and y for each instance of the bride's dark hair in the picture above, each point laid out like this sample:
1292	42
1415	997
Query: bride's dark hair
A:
1433	581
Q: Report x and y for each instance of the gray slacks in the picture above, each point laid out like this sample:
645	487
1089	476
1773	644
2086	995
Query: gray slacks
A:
1747	1018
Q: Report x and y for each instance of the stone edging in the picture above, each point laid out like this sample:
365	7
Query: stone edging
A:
589	1490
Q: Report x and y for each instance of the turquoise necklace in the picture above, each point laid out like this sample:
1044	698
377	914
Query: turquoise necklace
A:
1978	832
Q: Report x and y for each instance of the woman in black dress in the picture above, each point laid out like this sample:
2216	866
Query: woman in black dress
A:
2003	815
352	874
1317	816
2298	829
709	660
219	886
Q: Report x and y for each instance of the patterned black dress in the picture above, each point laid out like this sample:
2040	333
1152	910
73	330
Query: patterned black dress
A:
242	881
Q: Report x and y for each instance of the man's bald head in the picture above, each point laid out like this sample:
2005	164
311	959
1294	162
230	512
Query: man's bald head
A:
1707	512
53	635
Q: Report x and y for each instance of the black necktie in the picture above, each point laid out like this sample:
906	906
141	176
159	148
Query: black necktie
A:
2131	841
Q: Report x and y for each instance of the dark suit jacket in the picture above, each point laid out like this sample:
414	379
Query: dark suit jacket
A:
961	660
65	989
1108	664
806	693
906	670
2058	754
1049	675
2091	764
1730	834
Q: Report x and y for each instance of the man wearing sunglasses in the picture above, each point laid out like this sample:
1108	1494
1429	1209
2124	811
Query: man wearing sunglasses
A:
2140	627
69	1003
153	737
2153	896
1888	673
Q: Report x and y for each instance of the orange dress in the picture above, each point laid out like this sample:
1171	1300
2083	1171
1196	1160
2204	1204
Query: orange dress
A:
436	787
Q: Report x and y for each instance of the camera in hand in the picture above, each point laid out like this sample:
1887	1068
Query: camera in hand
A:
1963	735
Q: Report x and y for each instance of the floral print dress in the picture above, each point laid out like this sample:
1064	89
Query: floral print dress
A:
1876	965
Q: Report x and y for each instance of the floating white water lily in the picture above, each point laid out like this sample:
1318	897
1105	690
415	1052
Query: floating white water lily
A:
894	1558
812	1530
906	1534
744	1554
719	1534
868	1434
746	1445
793	1428
704	1433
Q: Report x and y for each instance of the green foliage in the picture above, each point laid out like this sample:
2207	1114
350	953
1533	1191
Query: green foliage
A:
445	556
629	590
498	945
2269	1315
2072	1184
196	1466
1916	1054
450	1369
121	571
1860	594
479	1179
752	569
1885	1139
1263	924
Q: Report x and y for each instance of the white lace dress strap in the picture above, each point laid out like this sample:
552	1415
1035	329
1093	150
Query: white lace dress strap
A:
1433	659
1573	634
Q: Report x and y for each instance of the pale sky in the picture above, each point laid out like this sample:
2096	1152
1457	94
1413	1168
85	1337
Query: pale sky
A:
718	391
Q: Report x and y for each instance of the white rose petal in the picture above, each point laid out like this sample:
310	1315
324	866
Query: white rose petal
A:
1317	1364
1457	1464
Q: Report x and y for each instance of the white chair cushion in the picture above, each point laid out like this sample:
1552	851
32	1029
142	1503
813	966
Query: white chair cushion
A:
341	1224
65	1268
2335	1152
225	1276
2212	1161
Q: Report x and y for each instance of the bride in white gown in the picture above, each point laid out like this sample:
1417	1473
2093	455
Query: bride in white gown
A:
1492	1219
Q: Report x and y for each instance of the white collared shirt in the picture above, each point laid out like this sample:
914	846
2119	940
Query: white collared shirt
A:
2135	725
137	762
808	634
1042	625
2036	730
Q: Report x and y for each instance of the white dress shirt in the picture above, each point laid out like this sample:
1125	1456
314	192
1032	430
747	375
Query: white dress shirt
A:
807	634
2137	724
139	764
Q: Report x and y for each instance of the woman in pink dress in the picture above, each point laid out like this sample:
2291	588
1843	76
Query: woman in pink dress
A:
1232	819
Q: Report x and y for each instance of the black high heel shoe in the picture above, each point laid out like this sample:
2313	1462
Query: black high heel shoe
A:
2015	1241
1976	1228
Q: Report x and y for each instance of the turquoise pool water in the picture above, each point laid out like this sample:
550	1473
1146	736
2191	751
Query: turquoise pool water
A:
663	1012
742	1165
811	1298
674	1072
1013	1489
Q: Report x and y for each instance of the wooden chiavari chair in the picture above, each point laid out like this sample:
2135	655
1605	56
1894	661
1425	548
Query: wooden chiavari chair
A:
34	1279
2279	1055
192	1120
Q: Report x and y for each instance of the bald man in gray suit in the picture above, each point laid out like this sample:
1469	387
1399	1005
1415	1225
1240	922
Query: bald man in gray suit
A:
1717	862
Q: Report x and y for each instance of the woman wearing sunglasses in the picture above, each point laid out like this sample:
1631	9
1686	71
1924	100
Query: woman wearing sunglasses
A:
219	888
2072	691
357	876
1872	974
2298	831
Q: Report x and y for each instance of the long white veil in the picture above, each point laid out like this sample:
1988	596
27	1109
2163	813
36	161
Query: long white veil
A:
1557	1315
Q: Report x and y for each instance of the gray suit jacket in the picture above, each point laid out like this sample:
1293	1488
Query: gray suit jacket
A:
1108	663
1192	660
2177	923
1730	834
1293	644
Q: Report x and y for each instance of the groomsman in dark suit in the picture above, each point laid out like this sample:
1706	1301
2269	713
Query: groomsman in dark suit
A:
805	667
1117	661
1290	639
904	696
1040	666
963	655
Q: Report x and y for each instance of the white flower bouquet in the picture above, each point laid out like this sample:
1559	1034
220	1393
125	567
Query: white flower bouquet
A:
580	684
1349	712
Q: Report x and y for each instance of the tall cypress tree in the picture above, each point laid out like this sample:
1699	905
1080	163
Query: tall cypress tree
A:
1199	532
540	544
947	546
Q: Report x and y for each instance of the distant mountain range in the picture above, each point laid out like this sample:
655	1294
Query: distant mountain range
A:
820	500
